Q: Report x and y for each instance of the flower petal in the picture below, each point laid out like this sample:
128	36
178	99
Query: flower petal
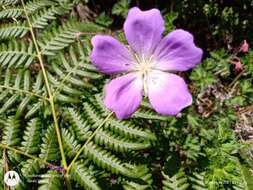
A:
177	52
123	95
168	93
110	56
143	30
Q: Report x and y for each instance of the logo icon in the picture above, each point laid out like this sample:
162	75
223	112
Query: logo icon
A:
11	178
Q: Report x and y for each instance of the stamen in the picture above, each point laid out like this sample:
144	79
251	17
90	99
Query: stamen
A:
144	68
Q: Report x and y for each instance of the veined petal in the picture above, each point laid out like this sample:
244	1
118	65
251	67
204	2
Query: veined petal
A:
123	95
177	52
168	93
110	56
143	30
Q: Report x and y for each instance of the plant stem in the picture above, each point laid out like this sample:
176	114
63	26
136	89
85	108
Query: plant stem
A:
5	146
88	140
50	97
24	91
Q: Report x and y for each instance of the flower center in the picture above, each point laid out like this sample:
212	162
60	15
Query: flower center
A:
144	67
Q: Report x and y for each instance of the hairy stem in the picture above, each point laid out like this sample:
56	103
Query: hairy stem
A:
88	140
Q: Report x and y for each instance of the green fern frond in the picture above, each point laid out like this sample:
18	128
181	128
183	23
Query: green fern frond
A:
4	93
75	62
34	109
84	176
58	39
70	144
42	18
30	168
145	180
16	54
198	181
8	2
108	161
31	137
179	181
81	127
146	111
36	5
67	97
8	31
11	13
50	181
19	95
118	143
131	185
37	88
124	128
70	75
49	147
11	132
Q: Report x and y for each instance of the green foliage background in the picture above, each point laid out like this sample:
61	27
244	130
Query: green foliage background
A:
56	133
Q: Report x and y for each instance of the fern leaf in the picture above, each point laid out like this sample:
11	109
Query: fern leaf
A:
31	137
14	98
42	18
16	54
81	127
37	88
68	96
118	143
11	101
8	31
198	181
11	132
149	113
50	181
58	39
70	79
8	2
49	146
11	13
69	143
131	185
19	99
107	161
124	128
35	108
36	5
84	176
24	103
145	180
30	168
179	181
76	63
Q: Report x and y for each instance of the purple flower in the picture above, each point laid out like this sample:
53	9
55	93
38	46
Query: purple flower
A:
149	65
